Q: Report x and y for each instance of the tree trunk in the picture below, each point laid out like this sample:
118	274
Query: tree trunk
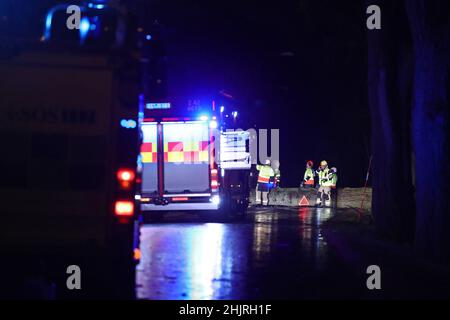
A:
390	82
430	25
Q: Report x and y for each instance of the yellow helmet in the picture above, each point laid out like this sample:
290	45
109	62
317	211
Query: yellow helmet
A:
323	163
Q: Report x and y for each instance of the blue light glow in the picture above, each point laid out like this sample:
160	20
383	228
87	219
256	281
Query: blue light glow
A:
48	25
96	6
128	124
161	105
148	37
235	114
49	19
203	118
85	25
222	109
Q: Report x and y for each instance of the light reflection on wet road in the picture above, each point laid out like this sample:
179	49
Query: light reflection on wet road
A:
275	253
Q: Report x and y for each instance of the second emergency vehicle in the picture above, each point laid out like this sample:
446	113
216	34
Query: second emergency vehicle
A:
191	163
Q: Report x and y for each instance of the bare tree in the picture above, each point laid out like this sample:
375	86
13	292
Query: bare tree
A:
389	76
430	28
409	87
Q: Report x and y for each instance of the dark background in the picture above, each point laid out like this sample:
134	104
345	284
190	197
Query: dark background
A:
297	66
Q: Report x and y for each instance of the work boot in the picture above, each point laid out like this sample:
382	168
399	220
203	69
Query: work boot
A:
319	201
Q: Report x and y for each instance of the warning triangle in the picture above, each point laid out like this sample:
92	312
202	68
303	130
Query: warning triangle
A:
303	201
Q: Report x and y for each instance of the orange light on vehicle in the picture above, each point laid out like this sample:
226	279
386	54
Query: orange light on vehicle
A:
125	178
214	180
125	175
124	208
180	199
137	254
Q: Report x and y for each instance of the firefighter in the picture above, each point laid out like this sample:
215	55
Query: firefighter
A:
308	177
265	174
325	184
332	176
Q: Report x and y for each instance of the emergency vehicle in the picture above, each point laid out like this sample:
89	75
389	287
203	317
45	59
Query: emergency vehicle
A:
69	149
191	160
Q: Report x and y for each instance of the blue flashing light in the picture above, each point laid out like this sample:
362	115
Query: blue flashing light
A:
148	37
204	118
48	25
48	20
235	114
85	25
96	6
128	124
222	109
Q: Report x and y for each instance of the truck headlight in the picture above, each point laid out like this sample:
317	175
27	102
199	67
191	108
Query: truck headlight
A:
215	200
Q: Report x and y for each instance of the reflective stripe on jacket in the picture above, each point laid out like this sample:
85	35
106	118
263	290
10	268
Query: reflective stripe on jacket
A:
308	178
325	178
265	172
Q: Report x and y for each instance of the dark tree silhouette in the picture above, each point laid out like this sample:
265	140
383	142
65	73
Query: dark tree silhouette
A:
409	102
389	75
430	28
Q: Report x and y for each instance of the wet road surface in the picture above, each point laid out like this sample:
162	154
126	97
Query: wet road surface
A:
276	253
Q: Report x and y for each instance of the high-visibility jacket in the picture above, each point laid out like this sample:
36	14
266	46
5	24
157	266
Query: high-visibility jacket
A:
334	179
308	178
265	173
325	177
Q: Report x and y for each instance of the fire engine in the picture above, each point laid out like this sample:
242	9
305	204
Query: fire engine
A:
69	148
192	160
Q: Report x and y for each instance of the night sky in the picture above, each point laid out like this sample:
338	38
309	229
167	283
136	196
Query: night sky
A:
299	66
